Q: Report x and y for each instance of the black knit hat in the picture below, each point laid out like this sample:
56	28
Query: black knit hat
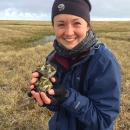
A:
79	8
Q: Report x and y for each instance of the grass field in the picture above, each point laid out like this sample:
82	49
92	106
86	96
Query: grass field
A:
18	59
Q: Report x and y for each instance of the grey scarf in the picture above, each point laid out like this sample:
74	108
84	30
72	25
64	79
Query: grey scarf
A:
87	42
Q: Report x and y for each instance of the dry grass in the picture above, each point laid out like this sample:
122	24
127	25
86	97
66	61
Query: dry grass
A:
20	33
17	111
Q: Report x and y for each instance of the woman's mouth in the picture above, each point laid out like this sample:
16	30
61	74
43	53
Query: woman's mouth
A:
69	39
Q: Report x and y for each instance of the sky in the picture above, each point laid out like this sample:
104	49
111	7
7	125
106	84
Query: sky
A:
41	9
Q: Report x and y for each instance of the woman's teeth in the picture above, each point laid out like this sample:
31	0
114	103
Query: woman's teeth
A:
70	39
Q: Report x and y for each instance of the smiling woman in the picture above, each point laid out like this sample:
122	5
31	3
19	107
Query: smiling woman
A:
93	102
70	30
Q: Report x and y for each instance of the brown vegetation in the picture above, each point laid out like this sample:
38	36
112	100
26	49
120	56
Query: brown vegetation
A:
17	111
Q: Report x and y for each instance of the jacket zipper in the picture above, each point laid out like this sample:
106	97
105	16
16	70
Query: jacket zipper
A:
57	121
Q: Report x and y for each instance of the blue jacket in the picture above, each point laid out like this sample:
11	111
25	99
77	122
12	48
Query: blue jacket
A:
98	107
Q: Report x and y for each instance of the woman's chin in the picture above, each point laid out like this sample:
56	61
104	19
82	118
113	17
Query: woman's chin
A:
69	47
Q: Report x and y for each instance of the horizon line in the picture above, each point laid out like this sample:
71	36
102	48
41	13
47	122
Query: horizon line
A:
92	19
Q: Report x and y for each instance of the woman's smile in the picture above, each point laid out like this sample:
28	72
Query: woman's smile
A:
69	39
70	30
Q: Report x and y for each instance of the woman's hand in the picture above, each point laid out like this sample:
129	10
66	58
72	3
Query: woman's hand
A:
34	79
40	97
51	97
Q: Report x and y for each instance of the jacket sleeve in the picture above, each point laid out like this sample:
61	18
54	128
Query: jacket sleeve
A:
100	106
53	108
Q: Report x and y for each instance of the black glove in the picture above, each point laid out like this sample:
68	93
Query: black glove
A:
60	93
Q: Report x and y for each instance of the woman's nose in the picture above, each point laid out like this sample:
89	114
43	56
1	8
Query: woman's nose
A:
69	30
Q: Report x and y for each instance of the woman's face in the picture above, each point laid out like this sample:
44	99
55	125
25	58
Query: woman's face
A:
70	30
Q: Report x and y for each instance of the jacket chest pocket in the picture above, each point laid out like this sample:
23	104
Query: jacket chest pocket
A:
71	81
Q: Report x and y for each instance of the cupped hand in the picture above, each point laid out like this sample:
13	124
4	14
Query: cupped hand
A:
34	79
41	97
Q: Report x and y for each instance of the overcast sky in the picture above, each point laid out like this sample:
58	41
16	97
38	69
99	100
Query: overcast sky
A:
41	9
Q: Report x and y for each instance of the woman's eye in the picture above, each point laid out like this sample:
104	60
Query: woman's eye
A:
60	25
77	23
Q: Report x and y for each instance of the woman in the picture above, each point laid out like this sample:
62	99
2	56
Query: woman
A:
87	85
